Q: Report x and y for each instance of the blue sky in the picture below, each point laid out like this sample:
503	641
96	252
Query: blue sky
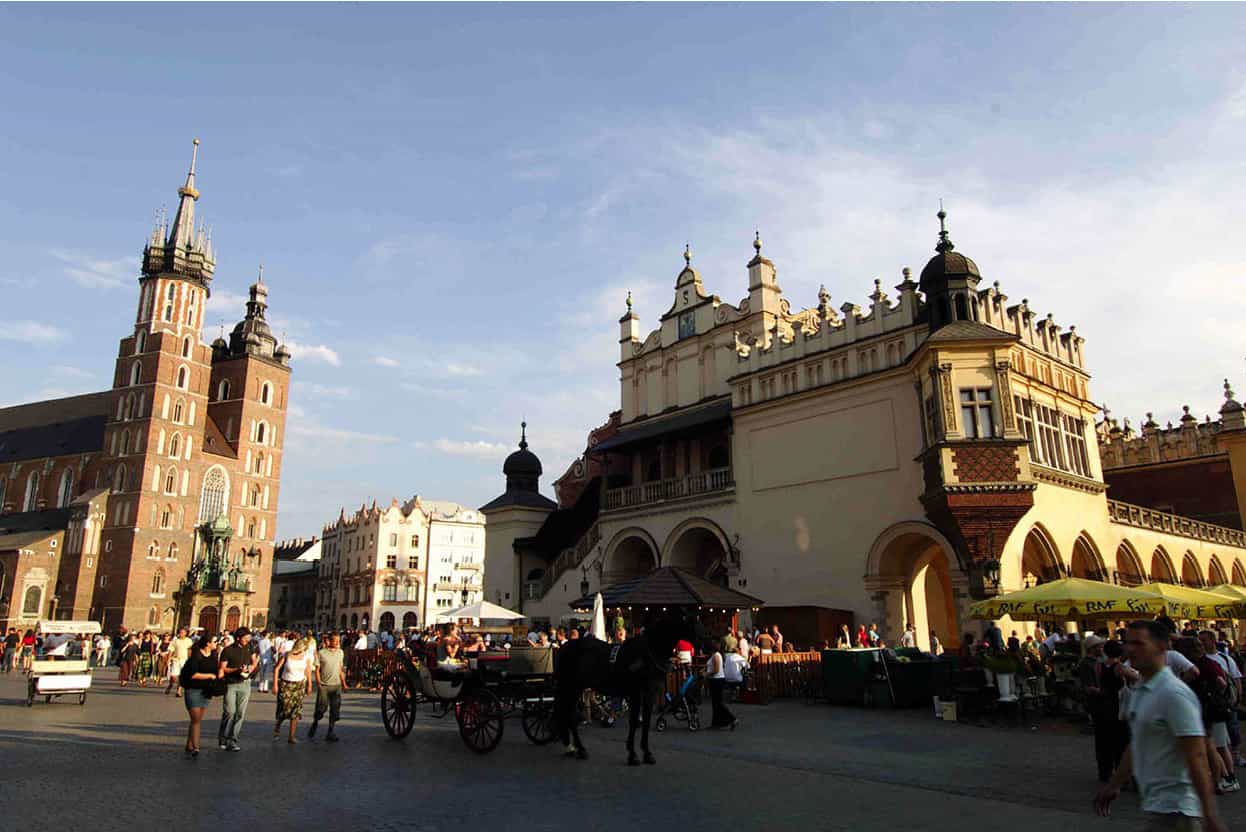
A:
451	202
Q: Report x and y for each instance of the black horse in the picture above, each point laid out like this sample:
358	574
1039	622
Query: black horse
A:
635	670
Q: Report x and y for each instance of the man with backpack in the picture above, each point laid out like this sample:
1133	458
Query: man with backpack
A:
1219	653
1216	696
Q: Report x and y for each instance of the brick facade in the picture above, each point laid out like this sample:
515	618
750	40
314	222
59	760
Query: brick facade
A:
180	415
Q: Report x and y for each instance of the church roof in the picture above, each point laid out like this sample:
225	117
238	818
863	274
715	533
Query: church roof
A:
69	437
215	442
53	411
15	541
41	521
563	528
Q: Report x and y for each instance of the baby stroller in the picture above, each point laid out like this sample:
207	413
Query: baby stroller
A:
684	706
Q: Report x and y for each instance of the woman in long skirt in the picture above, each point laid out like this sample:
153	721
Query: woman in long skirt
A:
146	655
292	681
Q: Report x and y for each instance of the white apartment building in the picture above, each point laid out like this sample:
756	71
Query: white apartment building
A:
456	557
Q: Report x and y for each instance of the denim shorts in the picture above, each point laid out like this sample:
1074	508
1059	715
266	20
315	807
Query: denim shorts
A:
195	698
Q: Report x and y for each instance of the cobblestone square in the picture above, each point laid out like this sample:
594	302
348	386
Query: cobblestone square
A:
116	763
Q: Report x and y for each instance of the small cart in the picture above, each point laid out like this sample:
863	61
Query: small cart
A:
66	669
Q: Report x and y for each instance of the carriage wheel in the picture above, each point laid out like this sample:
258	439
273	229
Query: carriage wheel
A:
481	720
660	725
538	722
398	705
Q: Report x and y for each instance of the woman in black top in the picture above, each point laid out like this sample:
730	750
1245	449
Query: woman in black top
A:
127	659
198	675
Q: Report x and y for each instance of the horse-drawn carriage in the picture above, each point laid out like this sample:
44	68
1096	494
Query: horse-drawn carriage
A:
482	693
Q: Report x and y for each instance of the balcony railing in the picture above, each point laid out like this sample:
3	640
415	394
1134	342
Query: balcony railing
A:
1176	525
654	492
470	566
456	586
569	558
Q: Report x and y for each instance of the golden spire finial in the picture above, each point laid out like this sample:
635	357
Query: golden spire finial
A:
687	254
757	242
194	154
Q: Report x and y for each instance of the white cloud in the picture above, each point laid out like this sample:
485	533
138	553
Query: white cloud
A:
460	369
32	331
313	353
482	449
433	391
387	362
71	371
332	392
97	273
224	301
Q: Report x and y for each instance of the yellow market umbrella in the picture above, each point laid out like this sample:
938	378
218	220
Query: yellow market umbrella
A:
1235	591
1070	599
1194	603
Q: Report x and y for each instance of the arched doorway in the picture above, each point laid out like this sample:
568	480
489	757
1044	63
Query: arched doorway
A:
1128	566
1086	562
699	549
409	620
1215	572
1161	567
1040	561
633	555
209	619
1191	573
387	621
354	622
910	571
233	618
343	626
1239	573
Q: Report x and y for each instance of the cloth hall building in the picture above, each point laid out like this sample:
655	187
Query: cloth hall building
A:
153	503
894	461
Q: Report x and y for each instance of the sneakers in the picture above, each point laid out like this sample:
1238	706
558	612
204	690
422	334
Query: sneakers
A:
1229	785
223	745
311	731
233	747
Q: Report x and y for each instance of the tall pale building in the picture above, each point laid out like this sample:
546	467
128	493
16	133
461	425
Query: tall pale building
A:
896	459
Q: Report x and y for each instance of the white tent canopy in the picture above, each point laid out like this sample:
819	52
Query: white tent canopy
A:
480	611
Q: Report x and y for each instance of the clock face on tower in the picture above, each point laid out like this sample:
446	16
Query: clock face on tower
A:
687	324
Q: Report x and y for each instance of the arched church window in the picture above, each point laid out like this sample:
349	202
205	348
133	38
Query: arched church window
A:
172	550
166	517
175	445
177	411
190	315
962	311
118	478
265	393
140	342
170	481
212	497
182	377
65	492
168	303
153	550
222	390
186	345
136	372
157	582
259	463
259	432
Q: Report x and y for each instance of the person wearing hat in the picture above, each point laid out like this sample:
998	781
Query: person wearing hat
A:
237	663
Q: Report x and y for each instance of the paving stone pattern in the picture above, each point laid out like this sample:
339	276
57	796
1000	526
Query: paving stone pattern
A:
116	763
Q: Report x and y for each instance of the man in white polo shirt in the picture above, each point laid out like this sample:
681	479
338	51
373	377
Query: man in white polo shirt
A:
1166	753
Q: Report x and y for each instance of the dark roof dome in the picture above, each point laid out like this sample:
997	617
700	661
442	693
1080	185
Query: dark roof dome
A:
946	263
522	464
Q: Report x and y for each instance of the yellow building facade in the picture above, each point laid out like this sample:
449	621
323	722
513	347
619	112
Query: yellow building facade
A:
897	460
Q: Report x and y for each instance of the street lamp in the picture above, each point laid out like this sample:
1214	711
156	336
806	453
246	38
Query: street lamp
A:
991	571
464	593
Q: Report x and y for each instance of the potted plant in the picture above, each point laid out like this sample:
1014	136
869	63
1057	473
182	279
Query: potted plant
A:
1005	668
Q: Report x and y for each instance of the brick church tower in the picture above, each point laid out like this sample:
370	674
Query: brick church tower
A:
192	448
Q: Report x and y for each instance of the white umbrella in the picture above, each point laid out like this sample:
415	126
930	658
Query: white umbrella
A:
483	610
599	617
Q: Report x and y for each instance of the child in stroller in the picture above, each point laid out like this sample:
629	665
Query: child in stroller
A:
684	706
